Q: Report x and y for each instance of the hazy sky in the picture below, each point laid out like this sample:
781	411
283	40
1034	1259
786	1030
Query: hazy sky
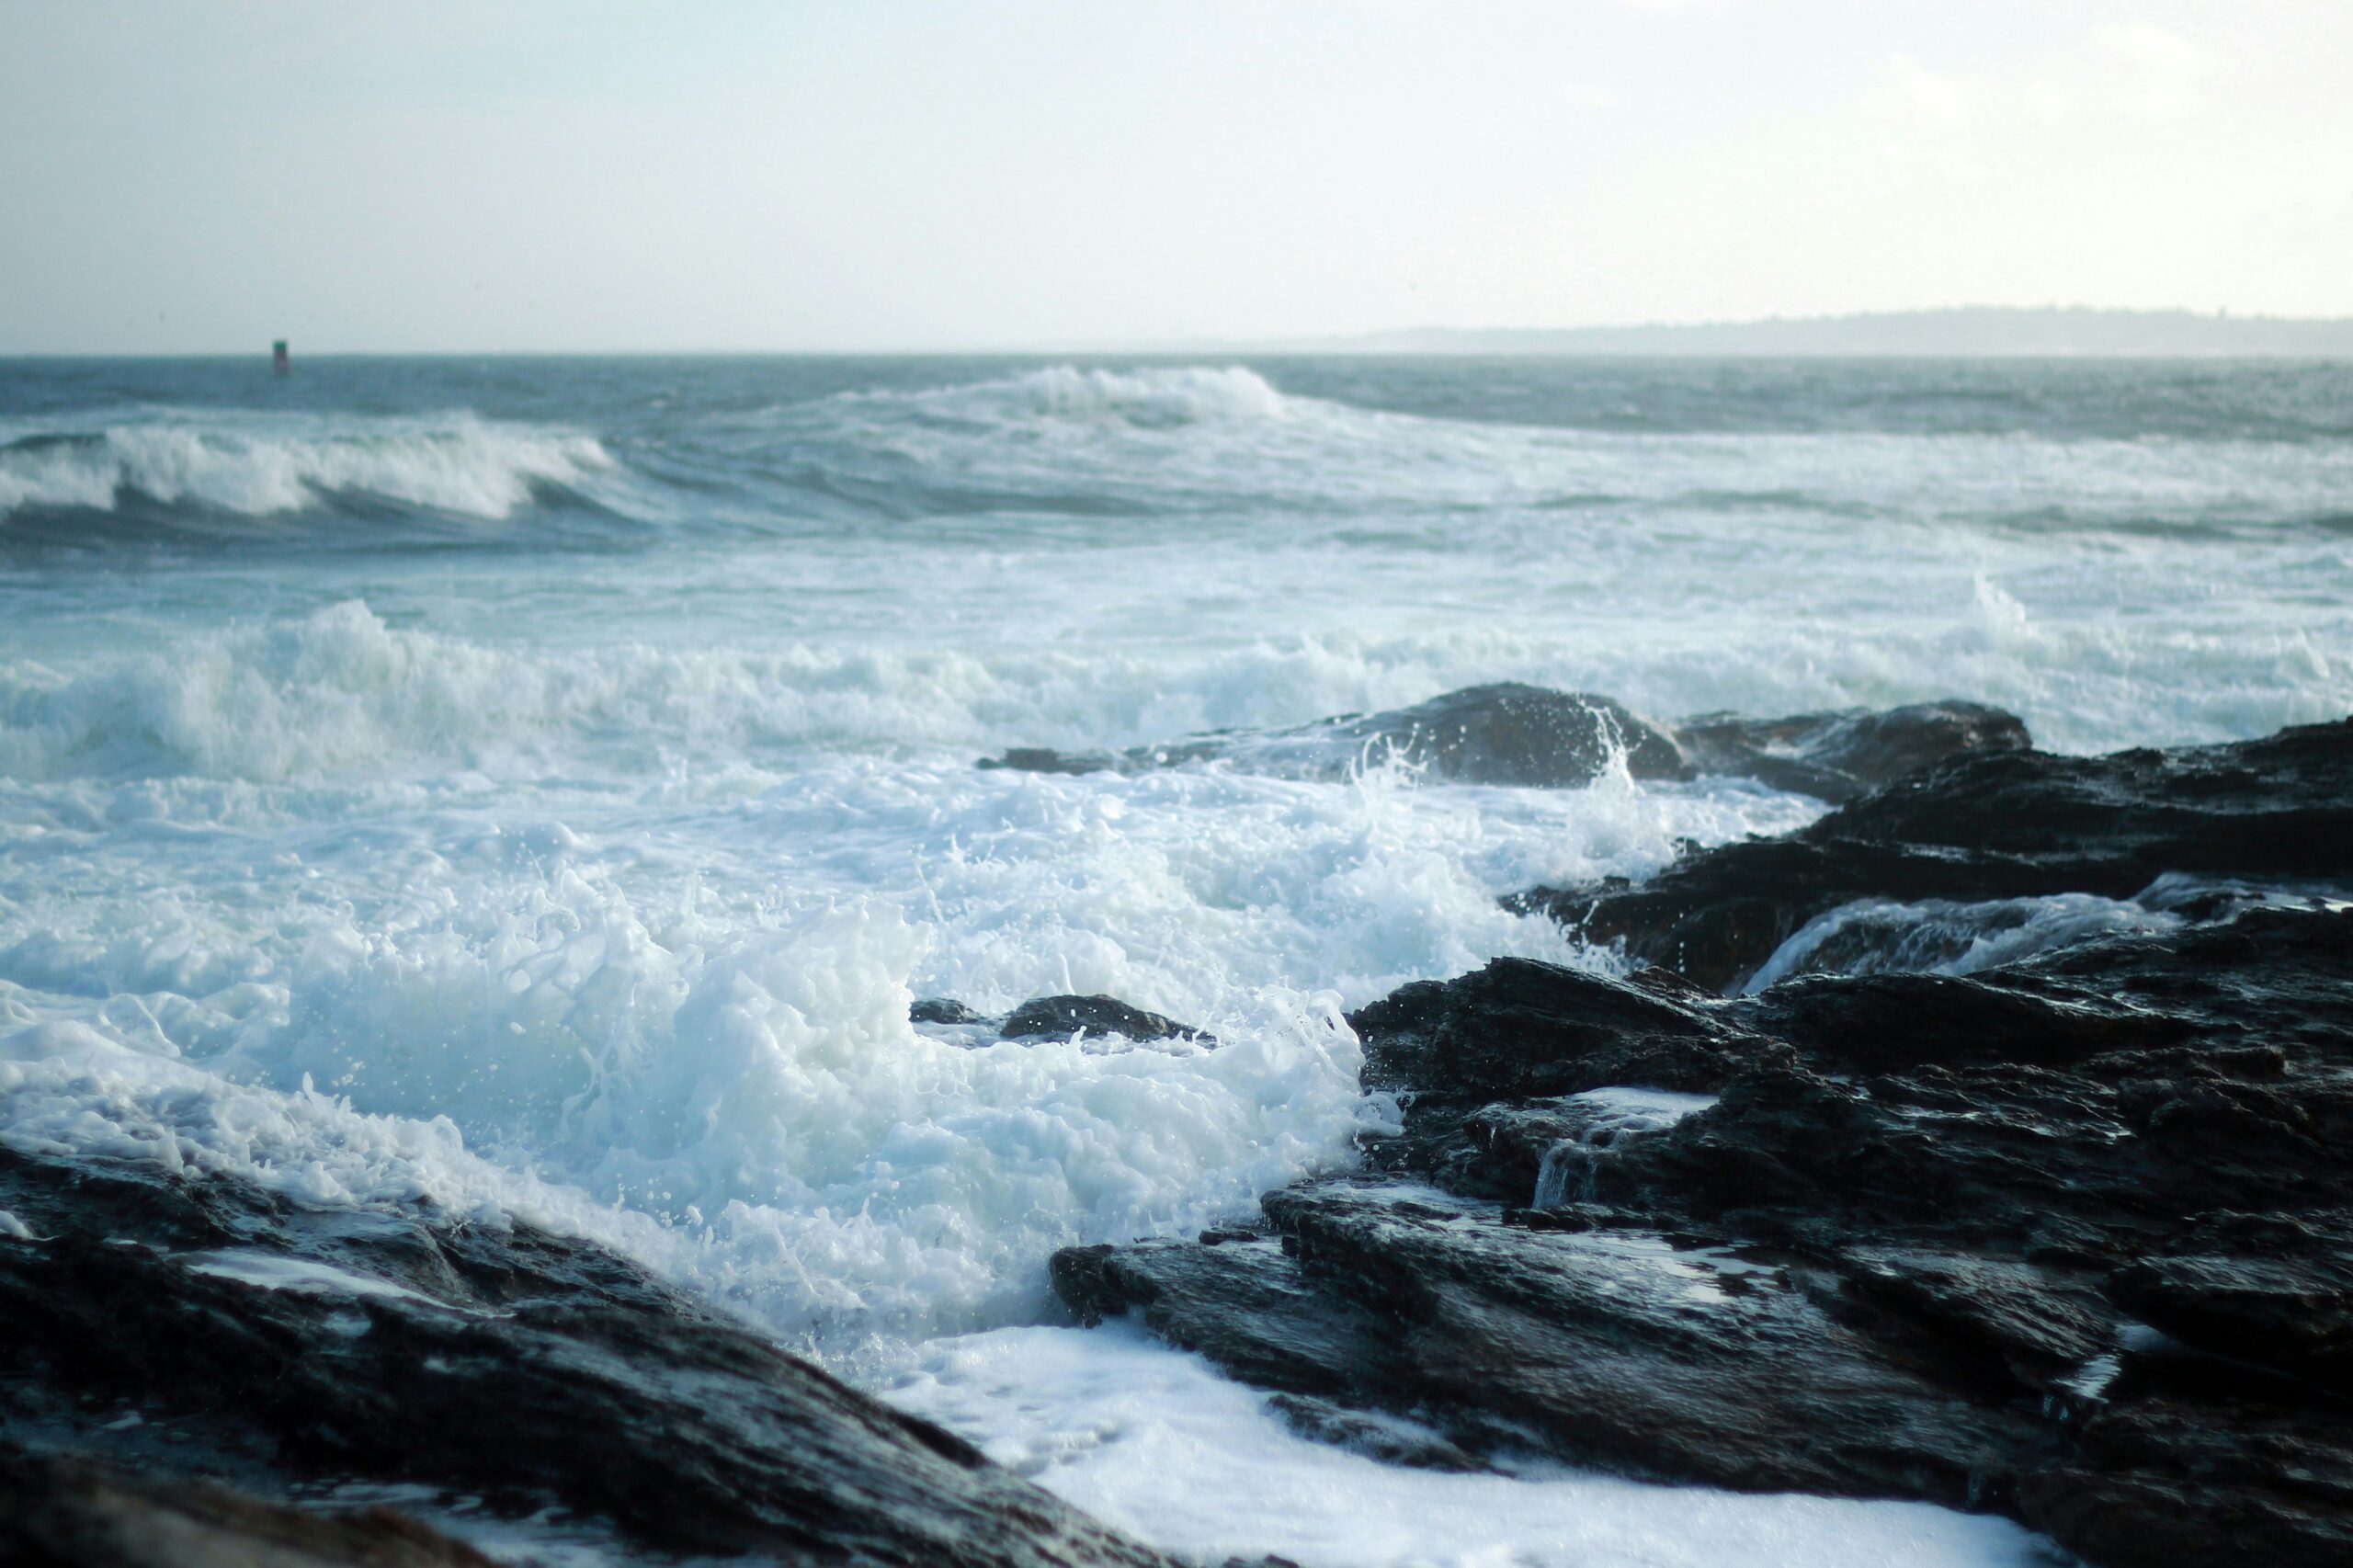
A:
878	173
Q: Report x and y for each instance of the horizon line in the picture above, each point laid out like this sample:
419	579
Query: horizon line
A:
1353	342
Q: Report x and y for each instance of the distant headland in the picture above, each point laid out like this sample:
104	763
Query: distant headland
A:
1972	331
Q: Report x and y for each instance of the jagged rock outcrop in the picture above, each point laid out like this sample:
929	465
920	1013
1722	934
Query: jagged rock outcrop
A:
2004	825
282	1344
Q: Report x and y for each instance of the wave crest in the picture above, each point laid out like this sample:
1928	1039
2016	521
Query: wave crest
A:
1155	398
265	466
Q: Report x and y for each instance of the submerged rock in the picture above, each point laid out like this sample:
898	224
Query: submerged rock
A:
1052	1017
2001	825
942	1010
1055	1017
1506	733
2067	1238
162	1320
1514	734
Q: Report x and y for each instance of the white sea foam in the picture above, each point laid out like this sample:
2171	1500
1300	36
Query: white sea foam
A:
1158	1444
757	1113
693	1007
849	1186
1640	1110
532	964
256	466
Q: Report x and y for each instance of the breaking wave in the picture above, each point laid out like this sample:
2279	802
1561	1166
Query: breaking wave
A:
1158	398
259	466
340	691
1074	440
1066	442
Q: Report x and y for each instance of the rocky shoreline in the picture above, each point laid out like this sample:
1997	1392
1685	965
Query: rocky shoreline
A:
2068	1236
199	1326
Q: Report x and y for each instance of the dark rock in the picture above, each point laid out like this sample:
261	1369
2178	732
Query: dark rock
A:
1506	733
1614	1348
2289	1305
2160	1484
2067	1239
67	1513
1519	1028
1835	757
1391	1439
1514	734
518	1366
2044	1324
2003	824
1054	1017
1248	1306
942	1010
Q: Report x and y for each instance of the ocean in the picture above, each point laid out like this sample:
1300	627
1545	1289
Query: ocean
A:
541	787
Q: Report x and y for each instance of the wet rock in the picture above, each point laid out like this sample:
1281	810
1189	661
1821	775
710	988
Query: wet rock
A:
2004	825
1606	1347
1058	1017
1391	1439
1517	1028
65	1513
1506	733
2289	1305
2066	1238
285	1344
1514	734
1835	757
2044	1324
942	1010
1248	1306
2160	1484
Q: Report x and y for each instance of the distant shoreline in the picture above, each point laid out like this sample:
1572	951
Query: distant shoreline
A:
1972	333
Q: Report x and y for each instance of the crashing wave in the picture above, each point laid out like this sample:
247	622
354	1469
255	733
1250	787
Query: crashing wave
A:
1154	398
750	1106
260	467
339	690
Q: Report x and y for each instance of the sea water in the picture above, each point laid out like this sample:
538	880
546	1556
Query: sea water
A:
541	787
